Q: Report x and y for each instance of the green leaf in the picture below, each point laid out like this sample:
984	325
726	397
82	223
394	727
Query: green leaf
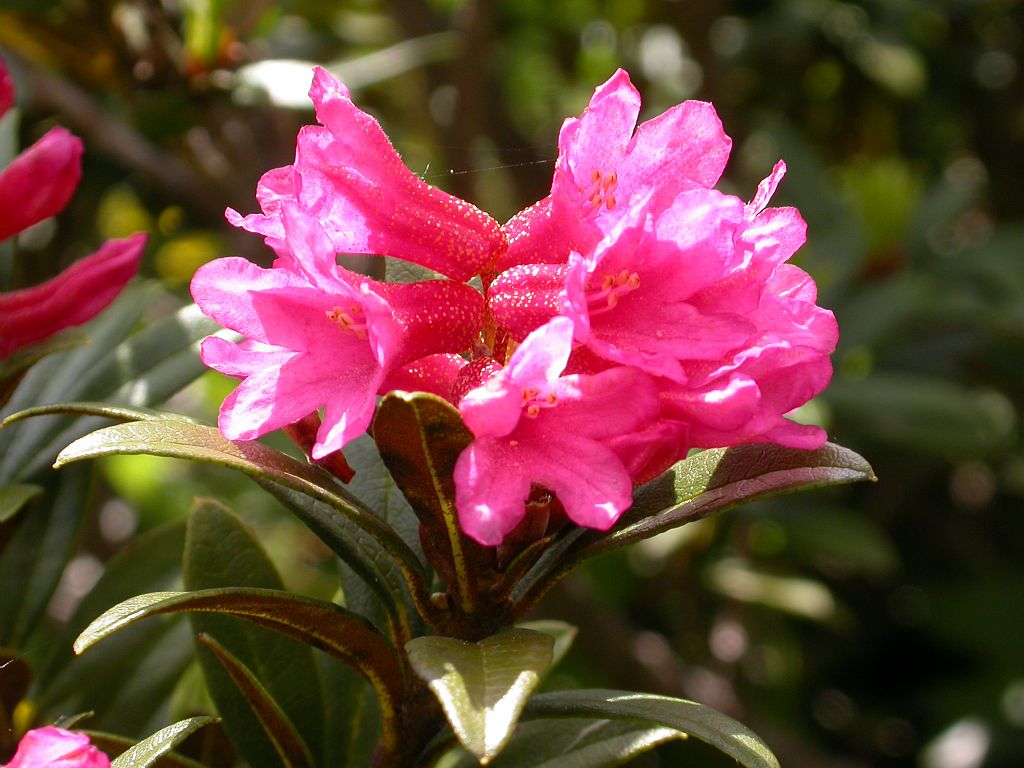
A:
195	442
114	745
720	731
579	744
104	410
352	718
286	740
420	438
220	551
34	559
149	751
14	368
317	623
710	481
562	633
482	686
14	497
369	567
149	562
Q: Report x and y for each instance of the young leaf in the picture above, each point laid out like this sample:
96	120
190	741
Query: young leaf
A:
482	686
220	551
149	751
286	740
720	731
114	745
420	438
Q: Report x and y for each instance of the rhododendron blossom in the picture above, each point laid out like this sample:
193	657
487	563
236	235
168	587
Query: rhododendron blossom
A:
533	425
53	747
653	314
318	336
348	175
35	186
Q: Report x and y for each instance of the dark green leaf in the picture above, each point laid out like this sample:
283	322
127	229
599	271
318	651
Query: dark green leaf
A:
220	551
317	623
420	438
14	368
705	723
149	562
286	740
179	439
576	744
560	632
33	561
482	686
352	717
710	481
105	410
14	497
368	565
149	751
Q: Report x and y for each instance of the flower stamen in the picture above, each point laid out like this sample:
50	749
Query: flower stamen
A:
613	287
350	320
601	190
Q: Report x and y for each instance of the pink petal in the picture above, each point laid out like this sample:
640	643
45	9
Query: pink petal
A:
535	236
433	316
525	297
434	374
52	747
490	502
6	89
684	146
766	189
74	296
40	181
369	202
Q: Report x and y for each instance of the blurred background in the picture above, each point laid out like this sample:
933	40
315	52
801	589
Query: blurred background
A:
868	626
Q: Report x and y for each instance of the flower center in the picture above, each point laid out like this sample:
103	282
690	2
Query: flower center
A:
351	320
600	191
534	400
612	287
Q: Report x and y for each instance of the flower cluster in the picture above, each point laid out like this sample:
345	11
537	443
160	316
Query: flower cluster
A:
35	186
631	315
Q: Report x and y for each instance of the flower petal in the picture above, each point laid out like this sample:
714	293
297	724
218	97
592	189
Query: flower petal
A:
53	747
40	181
74	296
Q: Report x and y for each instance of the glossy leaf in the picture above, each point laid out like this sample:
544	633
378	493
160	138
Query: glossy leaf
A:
710	481
576	744
315	622
149	751
420	438
720	731
114	745
370	570
286	740
482	686
195	442
86	408
221	551
562	633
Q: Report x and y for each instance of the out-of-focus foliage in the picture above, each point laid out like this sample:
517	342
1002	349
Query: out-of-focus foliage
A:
869	626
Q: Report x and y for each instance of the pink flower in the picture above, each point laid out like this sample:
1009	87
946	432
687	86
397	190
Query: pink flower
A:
348	175
533	426
602	165
74	296
35	186
318	336
52	747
